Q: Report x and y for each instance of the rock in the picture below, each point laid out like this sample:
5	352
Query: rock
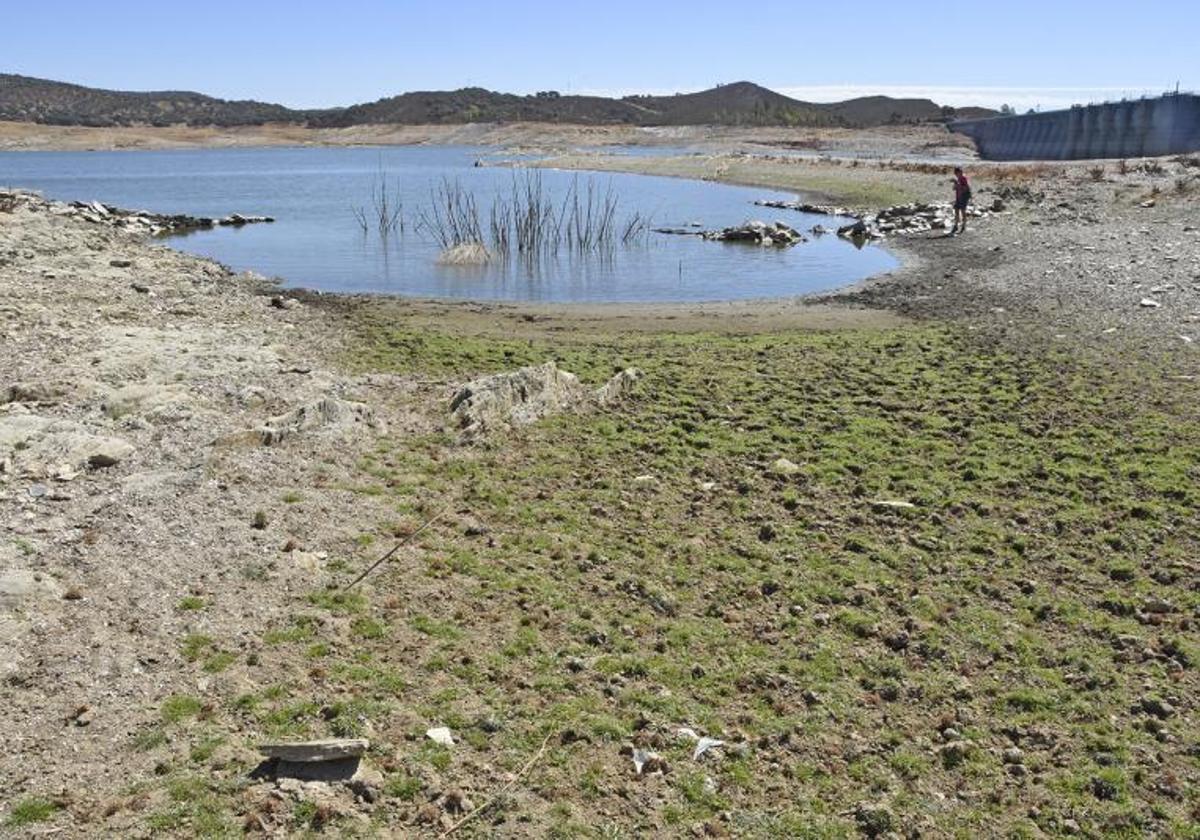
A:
465	253
120	263
618	386
777	235
40	447
646	762
891	504
1161	709
856	230
518	398
953	753
875	820
140	288
332	749
456	802
18	586
1014	755
367	784
1158	606
1150	304
325	414
440	735
782	466
237	220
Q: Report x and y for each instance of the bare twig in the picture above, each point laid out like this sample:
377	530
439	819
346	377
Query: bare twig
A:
498	794
404	541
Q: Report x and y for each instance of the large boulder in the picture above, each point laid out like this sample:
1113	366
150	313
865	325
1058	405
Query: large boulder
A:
517	398
526	395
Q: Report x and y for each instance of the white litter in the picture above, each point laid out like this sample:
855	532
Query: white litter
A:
704	745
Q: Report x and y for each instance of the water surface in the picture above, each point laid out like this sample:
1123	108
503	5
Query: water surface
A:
317	243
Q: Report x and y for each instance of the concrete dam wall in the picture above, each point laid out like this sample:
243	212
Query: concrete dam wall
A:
1169	125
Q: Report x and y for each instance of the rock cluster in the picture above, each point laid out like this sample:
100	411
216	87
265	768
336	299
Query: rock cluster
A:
900	219
804	207
135	221
777	234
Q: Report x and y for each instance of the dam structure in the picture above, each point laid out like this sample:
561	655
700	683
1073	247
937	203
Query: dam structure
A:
1166	125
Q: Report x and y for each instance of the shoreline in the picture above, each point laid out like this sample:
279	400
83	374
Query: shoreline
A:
903	141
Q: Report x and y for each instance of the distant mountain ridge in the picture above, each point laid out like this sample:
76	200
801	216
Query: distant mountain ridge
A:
26	99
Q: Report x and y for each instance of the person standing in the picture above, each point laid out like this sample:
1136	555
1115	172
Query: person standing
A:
962	197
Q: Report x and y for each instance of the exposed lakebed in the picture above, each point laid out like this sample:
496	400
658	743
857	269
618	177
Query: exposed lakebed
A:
316	241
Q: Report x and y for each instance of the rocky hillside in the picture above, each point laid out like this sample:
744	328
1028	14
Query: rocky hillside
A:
25	99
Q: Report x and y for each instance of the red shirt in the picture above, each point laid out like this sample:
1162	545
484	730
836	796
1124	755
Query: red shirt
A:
961	186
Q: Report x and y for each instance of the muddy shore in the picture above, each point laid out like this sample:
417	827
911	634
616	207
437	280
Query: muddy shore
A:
153	532
534	138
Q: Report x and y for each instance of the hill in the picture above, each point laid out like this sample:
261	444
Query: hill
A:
740	103
470	105
25	99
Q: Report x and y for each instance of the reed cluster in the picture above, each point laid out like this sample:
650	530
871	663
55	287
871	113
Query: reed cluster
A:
528	220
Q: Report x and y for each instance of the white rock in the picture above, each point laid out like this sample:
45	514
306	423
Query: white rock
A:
441	735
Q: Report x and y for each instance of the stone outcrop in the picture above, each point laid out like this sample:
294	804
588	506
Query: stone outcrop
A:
324	414
136	221
41	447
526	395
778	234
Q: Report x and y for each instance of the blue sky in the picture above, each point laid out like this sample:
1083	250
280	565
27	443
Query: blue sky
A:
308	54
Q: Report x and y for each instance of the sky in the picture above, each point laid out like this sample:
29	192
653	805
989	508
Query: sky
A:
305	53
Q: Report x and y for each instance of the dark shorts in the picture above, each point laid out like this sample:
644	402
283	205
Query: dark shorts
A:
961	203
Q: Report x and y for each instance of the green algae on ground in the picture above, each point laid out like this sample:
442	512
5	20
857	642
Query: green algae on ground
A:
954	609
